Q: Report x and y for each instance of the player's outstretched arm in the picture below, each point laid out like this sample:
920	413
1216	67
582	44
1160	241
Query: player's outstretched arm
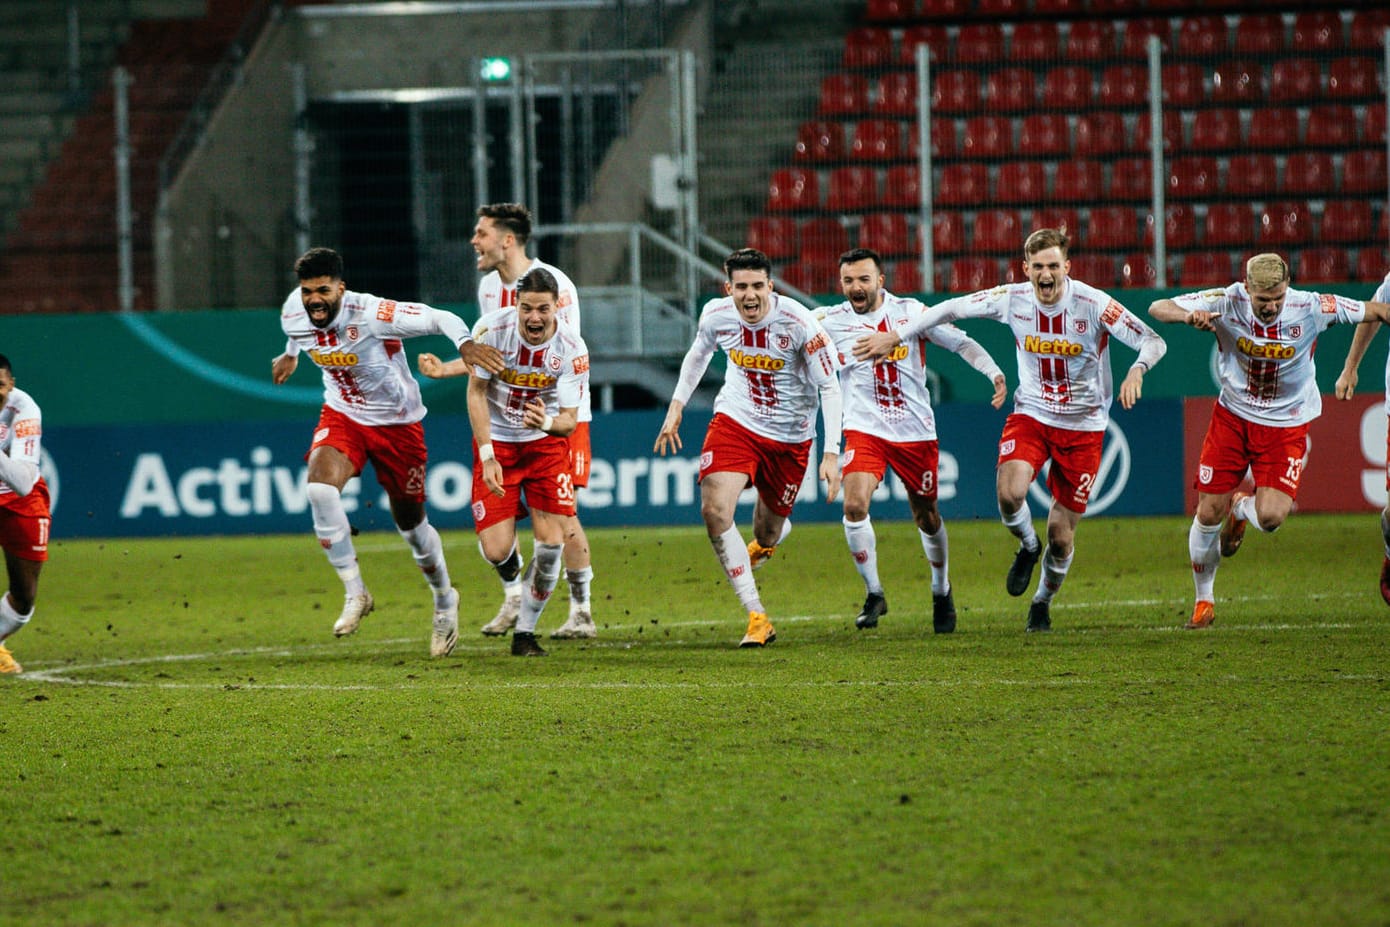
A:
282	367
669	437
1165	310
1365	333
434	368
485	356
1001	391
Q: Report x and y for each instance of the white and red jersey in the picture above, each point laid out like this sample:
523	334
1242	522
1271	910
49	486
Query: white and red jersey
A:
21	431
493	294
775	368
1064	377
1266	371
1382	295
556	373
366	375
890	398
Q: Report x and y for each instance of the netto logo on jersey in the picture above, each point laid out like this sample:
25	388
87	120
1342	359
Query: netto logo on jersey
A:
755	361
897	354
1112	476
1035	345
1264	351
531	379
333	358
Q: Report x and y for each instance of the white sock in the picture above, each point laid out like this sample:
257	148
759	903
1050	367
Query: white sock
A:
1020	525
1204	549
733	557
938	555
1245	509
1054	572
335	534
1385	530
10	619
428	550
545	571
863	547
579	581
786	530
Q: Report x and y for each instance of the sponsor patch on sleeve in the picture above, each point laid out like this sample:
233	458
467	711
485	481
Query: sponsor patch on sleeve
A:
1112	312
581	364
386	311
820	341
1327	303
28	428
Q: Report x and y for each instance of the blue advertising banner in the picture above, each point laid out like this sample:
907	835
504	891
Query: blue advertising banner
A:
248	478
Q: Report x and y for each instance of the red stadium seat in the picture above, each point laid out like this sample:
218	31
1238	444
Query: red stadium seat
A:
1043	134
1285	222
955	92
1112	228
813	276
1309	173
933	36
1035	41
1331	126
963	184
987	137
1237	82
1205	269
971	274
1322	265
896	94
1020	182
887	233
1064	9
1317	30
905	276
1273	128
1373	126
1363	171
820	140
1091	40
1056	217
1078	180
1347	221
1368	29
1100	134
1203	36
1216	130
1124	86
1260	34
843	95
1172	131
774	236
890	11
852	189
793	189
823	240
943	137
1098	270
1138	271
1371	263
1229	224
1350	78
1130	179
1251	175
998	231
1137	32
1193	177
947	231
1179	227
1182	84
979	42
902	186
1295	79
1067	88
868	47
877	140
999	9
1010	90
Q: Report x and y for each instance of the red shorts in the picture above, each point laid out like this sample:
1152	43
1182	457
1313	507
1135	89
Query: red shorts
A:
1075	457
913	461
539	470
1273	454
24	523
580	454
775	468
397	452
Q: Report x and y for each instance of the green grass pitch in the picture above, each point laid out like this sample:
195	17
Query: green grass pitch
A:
190	745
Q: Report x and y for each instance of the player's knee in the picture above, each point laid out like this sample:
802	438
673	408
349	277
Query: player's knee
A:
321	494
1271	521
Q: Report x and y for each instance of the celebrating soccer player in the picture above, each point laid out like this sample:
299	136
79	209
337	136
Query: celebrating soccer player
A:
24	517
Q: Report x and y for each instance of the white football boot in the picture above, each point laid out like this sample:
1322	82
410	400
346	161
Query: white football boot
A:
446	627
506	615
579	625
355	608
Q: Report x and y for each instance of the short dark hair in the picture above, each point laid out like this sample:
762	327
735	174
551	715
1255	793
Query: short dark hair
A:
747	259
513	217
319	262
5	365
538	280
862	254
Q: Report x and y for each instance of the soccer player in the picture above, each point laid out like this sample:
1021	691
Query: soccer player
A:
24	517
1265	332
522	419
500	238
781	365
888	422
1346	386
371	411
1062	329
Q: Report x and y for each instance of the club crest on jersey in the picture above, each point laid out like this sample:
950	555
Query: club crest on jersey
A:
1080	326
784	342
351	332
706	459
1204	474
1296	331
553	362
479	511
